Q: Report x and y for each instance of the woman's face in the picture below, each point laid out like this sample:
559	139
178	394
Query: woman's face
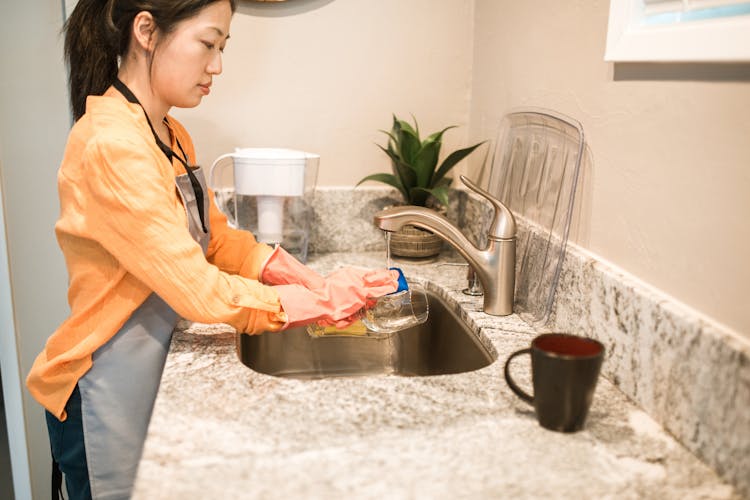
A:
188	58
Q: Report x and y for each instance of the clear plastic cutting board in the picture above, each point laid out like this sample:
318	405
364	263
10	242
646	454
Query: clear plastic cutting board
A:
535	172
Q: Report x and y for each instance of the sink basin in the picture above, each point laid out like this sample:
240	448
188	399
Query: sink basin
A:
444	344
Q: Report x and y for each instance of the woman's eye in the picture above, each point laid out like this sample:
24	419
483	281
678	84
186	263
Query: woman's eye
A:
209	45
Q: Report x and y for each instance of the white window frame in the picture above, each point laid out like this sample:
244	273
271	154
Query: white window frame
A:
715	40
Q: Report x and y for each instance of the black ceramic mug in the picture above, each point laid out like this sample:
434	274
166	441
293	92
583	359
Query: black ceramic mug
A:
564	370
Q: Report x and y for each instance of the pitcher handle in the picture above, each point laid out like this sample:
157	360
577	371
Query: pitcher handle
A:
220	195
212	170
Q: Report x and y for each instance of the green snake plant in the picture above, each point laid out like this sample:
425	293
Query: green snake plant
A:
414	162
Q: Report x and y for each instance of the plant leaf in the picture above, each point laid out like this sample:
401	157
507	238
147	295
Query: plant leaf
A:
441	193
452	160
444	182
404	125
416	125
394	135
408	144
427	158
392	138
425	163
404	172
418	196
393	155
396	125
438	136
389	179
406	175
406	139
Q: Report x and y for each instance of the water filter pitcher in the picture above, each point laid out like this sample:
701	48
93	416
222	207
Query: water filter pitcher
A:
268	191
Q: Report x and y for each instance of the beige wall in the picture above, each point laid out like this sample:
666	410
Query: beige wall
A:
34	124
669	198
669	183
325	76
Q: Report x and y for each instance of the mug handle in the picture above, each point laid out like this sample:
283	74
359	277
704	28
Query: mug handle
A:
514	387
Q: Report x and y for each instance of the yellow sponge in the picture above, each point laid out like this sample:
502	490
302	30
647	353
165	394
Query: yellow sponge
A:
355	329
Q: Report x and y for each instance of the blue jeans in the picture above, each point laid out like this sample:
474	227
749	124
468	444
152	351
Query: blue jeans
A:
68	450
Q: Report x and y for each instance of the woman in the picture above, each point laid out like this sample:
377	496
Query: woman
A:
143	242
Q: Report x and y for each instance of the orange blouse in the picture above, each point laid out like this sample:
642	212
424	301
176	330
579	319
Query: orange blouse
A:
123	233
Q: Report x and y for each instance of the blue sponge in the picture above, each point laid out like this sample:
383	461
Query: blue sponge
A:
402	284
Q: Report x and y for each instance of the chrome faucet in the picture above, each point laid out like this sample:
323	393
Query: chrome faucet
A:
495	265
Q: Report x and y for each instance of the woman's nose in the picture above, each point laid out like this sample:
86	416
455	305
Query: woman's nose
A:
214	65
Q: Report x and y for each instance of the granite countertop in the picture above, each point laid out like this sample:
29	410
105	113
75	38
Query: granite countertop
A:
221	430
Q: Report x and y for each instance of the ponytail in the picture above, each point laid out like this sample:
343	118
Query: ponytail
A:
91	50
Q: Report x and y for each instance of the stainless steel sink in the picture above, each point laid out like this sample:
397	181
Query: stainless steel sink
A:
442	345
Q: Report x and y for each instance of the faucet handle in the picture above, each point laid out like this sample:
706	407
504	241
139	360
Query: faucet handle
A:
503	225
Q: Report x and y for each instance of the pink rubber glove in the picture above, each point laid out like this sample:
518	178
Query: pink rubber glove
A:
283	269
343	295
348	274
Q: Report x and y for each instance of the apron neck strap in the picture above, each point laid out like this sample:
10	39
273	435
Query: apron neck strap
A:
168	152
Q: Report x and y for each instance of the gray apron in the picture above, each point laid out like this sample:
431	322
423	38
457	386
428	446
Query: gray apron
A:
118	392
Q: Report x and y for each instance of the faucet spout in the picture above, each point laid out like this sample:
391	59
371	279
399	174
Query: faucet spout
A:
395	218
494	265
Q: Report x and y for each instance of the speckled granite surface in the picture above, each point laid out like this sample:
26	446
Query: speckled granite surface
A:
221	430
343	218
690	374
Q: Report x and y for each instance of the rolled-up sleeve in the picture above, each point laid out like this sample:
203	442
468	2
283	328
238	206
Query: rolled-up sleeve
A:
132	204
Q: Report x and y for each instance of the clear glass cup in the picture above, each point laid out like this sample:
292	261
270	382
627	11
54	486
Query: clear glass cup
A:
397	311
383	315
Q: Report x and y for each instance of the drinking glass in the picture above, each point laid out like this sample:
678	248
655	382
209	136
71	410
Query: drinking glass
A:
397	311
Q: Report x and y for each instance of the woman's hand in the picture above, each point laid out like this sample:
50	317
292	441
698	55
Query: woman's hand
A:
281	268
343	294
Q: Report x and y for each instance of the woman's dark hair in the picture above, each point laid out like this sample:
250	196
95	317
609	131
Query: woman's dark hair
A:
98	33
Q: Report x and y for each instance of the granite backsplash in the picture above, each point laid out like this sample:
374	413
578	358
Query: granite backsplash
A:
688	373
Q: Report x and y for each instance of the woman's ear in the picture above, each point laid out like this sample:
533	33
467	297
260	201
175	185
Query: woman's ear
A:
144	31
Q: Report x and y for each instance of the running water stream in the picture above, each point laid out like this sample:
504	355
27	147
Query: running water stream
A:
388	263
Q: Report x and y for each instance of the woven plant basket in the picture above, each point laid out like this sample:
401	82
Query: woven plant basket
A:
415	242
